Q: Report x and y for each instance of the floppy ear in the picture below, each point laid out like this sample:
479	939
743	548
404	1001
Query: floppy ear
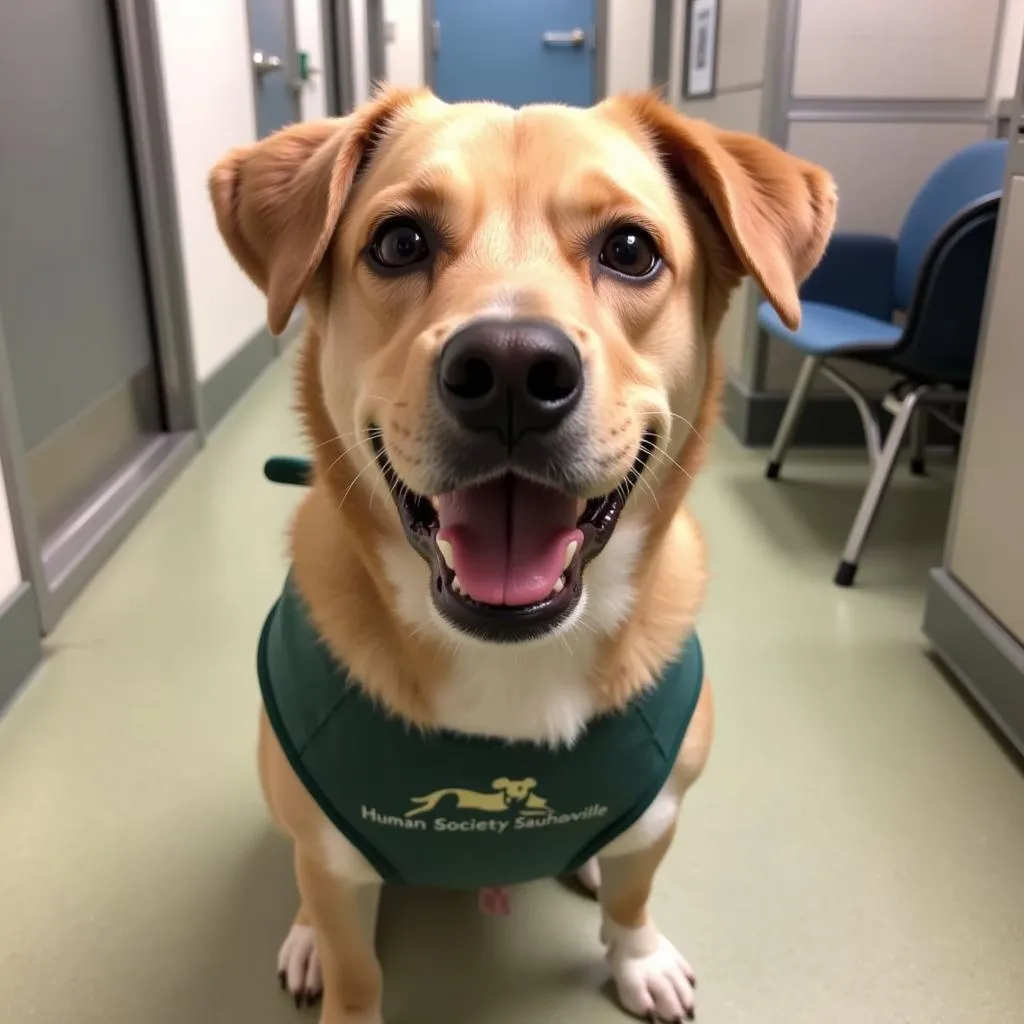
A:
776	210
502	783
279	200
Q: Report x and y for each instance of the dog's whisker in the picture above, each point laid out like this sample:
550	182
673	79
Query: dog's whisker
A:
389	401
351	448
355	480
689	423
641	480
370	433
651	446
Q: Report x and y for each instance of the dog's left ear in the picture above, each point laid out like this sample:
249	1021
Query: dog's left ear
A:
776	210
278	202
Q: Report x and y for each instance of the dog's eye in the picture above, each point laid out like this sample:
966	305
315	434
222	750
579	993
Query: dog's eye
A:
399	243
630	251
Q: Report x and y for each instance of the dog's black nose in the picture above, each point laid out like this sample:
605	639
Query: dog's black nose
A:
510	376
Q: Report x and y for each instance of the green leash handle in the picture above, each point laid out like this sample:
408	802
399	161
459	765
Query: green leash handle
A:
288	469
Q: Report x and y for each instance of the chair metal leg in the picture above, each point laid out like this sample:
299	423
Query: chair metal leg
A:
790	418
880	477
919	441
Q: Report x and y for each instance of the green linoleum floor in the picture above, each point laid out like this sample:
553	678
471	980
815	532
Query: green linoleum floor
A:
855	852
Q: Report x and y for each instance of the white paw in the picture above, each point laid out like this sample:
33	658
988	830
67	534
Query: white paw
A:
298	966
652	977
589	876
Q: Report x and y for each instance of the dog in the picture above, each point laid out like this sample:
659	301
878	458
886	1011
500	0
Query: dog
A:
508	795
508	380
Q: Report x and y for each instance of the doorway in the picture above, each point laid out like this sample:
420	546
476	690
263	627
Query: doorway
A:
86	416
530	51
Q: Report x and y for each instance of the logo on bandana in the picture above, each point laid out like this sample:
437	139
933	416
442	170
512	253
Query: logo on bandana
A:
509	795
511	803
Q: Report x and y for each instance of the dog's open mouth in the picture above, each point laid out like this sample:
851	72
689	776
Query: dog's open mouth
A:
507	555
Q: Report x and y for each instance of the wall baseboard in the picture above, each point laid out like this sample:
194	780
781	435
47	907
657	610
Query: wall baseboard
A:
828	420
219	393
986	659
20	645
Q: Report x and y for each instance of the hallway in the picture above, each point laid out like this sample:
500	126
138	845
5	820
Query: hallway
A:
854	853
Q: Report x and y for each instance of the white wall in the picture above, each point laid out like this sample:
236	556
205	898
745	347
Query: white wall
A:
10	571
630	45
403	54
887	49
309	36
879	166
1009	53
208	86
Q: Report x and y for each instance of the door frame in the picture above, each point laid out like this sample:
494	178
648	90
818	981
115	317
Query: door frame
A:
336	22
599	44
58	571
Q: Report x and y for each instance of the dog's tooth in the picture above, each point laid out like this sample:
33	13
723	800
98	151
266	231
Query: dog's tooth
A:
570	553
456	585
559	584
447	553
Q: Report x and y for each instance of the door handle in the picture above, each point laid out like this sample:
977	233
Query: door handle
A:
576	38
264	63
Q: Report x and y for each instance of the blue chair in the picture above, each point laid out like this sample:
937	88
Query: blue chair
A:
935	275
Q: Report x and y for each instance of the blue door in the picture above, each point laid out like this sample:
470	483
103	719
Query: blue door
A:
273	64
514	51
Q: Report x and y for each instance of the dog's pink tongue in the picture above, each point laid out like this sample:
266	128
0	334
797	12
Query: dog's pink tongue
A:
508	539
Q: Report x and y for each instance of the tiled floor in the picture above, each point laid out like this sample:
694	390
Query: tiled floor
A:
854	854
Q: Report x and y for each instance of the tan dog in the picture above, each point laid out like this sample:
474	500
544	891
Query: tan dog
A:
511	326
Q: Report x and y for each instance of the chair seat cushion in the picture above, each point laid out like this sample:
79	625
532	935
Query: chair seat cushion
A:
830	330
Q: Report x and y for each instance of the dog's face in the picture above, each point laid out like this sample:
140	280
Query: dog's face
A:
515	312
517	791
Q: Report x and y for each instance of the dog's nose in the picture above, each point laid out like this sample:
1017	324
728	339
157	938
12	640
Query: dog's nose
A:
510	376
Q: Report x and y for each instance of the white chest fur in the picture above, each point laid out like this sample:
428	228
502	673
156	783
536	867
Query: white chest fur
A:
537	691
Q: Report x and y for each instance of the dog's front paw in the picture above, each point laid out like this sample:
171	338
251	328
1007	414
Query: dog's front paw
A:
298	966
652	977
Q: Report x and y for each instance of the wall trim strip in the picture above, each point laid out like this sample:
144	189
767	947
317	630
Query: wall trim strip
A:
986	660
891	113
20	648
221	391
828	421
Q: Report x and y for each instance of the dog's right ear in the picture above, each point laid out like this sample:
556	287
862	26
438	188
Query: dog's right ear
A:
278	201
775	210
502	783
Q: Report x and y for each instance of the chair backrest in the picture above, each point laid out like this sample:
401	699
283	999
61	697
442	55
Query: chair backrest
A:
967	176
944	319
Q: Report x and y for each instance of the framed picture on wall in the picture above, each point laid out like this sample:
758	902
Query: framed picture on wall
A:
700	49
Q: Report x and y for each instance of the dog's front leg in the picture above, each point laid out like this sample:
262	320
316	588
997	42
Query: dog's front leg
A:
344	918
651	975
